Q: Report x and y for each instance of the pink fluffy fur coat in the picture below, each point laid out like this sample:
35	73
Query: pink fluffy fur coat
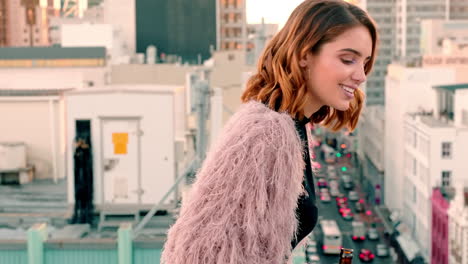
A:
242	204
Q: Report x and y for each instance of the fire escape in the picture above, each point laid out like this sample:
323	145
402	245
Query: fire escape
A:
3	23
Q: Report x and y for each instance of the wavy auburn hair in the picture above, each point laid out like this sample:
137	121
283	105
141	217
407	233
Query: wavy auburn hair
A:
280	83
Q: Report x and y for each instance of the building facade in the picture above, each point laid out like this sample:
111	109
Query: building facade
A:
186	29
409	15
433	33
371	135
458	227
231	25
26	22
440	226
435	140
404	87
383	12
399	24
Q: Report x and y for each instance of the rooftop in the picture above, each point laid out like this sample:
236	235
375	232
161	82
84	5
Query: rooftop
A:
434	122
427	118
33	92
30	53
452	87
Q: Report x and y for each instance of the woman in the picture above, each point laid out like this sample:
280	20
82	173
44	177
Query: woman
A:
253	199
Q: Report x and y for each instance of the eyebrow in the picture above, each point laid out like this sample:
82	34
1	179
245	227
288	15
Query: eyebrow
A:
355	52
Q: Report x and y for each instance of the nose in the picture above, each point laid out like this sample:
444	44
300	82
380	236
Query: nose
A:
359	75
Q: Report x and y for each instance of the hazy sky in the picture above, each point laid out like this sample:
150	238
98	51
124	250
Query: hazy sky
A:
274	11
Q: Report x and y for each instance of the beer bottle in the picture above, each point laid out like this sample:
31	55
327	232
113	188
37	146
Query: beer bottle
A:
346	256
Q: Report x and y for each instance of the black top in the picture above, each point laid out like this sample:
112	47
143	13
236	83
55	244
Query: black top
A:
306	212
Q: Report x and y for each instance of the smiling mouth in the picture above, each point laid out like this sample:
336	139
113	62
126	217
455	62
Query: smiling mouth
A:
348	91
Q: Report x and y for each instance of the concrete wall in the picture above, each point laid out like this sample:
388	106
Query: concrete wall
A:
164	74
51	78
38	122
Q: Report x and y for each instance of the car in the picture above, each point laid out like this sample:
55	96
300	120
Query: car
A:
365	255
382	251
341	199
324	190
316	165
313	259
359	206
344	209
331	169
342	205
347	181
372	233
346	177
347	215
322	183
353	196
358	232
333	184
325	197
348	185
335	192
332	175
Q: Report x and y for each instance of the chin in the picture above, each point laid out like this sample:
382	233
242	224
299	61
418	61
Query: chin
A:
341	106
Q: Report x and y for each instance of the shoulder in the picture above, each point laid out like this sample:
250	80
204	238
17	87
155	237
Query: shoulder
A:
255	124
255	116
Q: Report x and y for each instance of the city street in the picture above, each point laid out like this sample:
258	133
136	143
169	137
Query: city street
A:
329	210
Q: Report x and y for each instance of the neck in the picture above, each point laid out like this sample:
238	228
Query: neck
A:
311	107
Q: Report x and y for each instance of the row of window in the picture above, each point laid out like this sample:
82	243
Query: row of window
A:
386	10
422	144
232	18
231	45
231	32
417	169
232	3
425	8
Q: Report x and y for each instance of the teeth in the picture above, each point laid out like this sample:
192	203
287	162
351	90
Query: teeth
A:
349	90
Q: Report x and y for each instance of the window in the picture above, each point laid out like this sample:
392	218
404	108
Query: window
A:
415	139
446	150
415	165
446	175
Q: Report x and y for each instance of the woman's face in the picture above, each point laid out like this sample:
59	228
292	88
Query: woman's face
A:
337	70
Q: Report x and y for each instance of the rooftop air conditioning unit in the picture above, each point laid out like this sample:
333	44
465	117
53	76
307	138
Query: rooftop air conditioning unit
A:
12	155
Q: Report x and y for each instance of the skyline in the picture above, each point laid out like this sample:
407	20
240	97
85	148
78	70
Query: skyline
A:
277	12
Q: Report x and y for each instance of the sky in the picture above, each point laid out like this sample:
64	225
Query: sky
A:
274	11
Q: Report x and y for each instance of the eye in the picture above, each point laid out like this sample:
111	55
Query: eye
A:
347	62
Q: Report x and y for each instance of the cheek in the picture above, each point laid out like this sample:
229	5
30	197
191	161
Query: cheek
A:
328	78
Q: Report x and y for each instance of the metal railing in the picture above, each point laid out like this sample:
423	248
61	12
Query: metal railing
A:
158	206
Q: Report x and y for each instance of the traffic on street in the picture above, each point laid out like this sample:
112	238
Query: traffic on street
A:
346	218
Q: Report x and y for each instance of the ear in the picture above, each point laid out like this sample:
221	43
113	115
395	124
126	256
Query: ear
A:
303	62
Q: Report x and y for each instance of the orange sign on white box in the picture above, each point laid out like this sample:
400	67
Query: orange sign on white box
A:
120	141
